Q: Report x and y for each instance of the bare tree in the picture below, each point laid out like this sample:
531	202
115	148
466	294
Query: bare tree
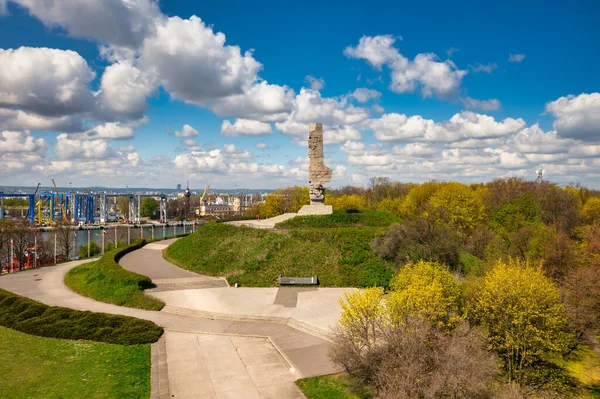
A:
65	238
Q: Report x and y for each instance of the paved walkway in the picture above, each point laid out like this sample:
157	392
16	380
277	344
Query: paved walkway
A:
264	223
148	261
218	340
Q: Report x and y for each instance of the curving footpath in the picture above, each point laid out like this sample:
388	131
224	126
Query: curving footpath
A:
200	355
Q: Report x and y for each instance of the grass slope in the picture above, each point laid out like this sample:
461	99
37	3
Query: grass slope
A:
106	281
34	367
367	218
250	257
334	386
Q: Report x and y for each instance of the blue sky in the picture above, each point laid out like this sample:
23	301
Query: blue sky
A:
147	93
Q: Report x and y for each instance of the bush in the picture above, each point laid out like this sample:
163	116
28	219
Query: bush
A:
31	317
94	250
106	281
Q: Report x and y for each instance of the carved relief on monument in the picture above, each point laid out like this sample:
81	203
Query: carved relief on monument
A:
318	173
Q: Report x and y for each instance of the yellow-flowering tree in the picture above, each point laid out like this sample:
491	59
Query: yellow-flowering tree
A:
591	210
523	313
458	205
363	317
425	289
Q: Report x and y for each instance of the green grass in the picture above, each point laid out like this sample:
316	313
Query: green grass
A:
28	316
366	218
35	367
341	257
106	281
334	386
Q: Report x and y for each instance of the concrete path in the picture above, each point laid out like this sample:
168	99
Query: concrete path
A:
148	261
264	223
306	353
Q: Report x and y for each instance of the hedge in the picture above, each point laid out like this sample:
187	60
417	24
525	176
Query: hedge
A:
35	318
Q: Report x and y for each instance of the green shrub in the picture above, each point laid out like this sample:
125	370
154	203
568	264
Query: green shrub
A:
94	250
31	317
106	281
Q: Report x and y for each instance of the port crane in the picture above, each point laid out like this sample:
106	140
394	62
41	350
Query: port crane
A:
62	205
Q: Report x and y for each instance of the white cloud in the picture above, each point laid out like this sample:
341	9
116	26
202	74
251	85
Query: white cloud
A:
20	143
69	149
261	146
516	57
485	105
340	134
245	127
489	68
310	106
315	84
16	119
425	71
194	64
118	22
61	89
363	94
415	150
127	148
124	89
533	140
399	127
468	124
578	117
235	153
378	108
186	131
262	101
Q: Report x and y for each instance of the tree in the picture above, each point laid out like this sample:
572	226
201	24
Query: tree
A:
582	300
123	206
347	202
418	197
149	207
523	313
424	289
459	206
65	238
591	210
416	239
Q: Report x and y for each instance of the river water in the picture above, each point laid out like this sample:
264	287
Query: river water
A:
124	234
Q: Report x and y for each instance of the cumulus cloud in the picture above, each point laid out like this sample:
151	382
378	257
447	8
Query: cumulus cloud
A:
425	71
577	117
485	105
16	119
20	142
310	106
61	89
69	149
516	57
315	84
261	101
117	22
186	131
194	64
245	127
362	95
124	89
261	146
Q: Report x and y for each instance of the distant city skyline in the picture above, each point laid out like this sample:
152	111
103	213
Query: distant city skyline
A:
156	93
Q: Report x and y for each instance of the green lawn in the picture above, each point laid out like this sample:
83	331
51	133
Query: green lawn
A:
335	386
366	218
339	256
106	281
36	367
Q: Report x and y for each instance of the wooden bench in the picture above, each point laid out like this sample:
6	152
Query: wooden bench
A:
298	280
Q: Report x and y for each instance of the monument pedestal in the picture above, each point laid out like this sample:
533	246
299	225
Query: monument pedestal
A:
315	210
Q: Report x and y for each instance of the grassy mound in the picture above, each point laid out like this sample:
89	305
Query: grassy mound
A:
35	367
338	219
26	315
106	281
339	256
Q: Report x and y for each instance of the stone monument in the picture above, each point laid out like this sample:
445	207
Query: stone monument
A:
318	173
